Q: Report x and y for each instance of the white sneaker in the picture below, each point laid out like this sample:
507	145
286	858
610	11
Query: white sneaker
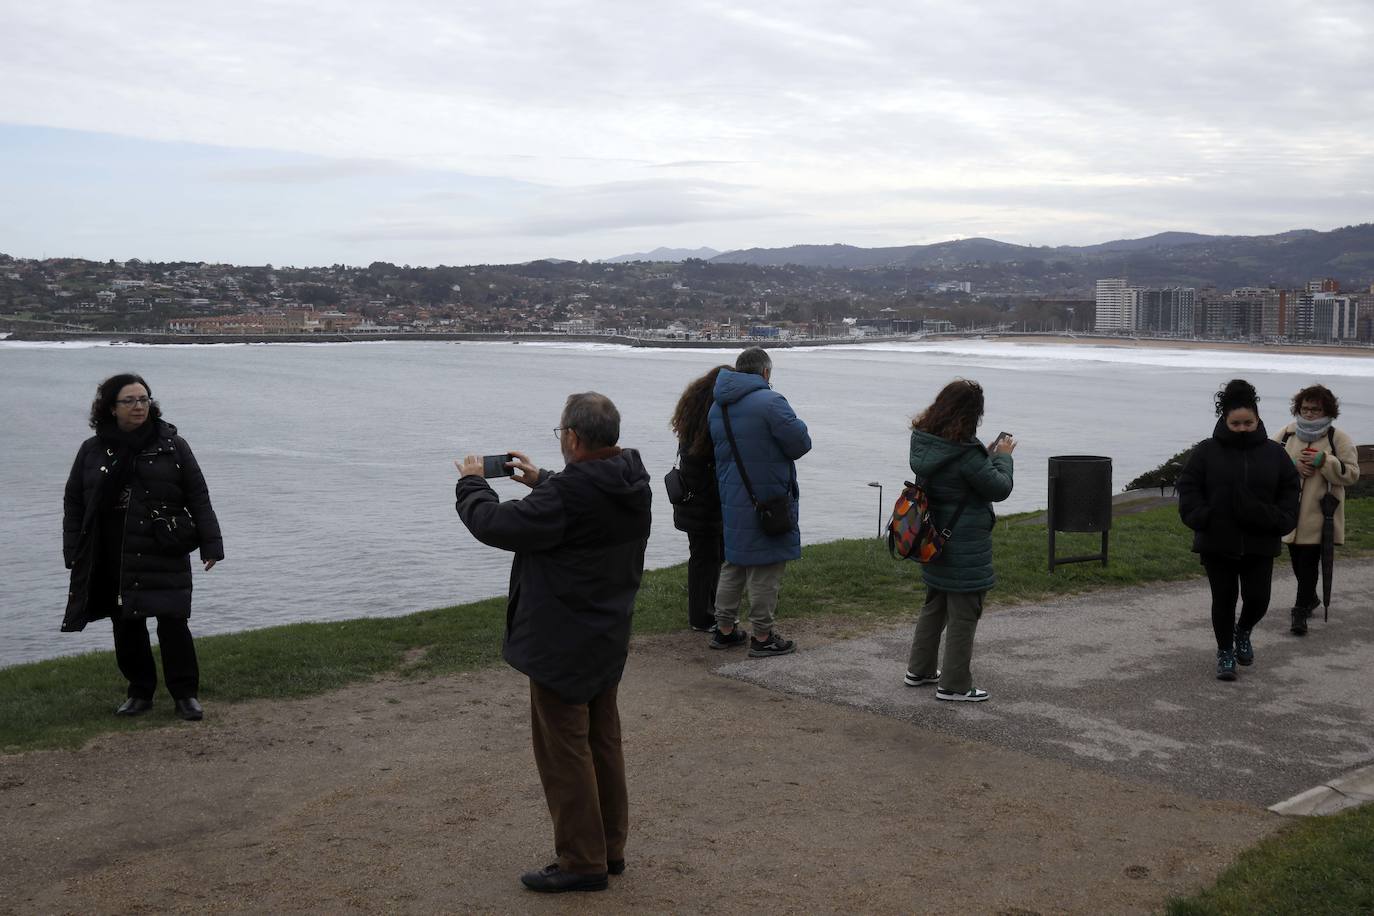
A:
973	696
913	680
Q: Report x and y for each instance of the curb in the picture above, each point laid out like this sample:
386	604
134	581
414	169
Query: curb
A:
1348	791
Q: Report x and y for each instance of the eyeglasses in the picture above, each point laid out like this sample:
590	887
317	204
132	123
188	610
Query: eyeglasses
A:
1312	410
134	402
558	432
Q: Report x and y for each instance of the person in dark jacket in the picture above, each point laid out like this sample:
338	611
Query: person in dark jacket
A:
1239	493
135	506
579	540
962	480
770	439
699	516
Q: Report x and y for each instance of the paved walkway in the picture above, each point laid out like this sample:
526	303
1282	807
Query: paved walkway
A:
1123	682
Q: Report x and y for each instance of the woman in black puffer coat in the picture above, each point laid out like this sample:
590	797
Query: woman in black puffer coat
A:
1239	493
699	517
135	506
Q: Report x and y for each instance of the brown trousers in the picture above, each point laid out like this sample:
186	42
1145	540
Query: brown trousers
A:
577	750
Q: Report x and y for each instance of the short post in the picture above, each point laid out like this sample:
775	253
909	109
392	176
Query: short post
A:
874	483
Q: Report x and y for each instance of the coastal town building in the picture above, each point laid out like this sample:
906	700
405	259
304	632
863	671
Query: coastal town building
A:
1115	311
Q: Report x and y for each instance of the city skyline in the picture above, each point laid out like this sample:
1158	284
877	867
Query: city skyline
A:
300	133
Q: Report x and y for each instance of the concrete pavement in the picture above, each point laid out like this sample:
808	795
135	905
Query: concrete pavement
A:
1123	682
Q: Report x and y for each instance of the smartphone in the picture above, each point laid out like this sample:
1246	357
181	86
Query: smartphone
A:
495	465
1000	437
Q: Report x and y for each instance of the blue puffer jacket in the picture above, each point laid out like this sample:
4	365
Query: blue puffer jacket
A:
770	438
965	565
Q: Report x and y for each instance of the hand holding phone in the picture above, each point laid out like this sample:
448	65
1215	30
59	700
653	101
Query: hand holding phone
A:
495	465
1004	442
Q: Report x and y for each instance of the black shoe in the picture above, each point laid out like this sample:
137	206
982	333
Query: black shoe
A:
134	706
1226	665
773	645
735	637
1299	625
972	695
553	880
1245	652
189	709
615	867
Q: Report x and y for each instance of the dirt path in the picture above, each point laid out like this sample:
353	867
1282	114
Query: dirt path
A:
422	797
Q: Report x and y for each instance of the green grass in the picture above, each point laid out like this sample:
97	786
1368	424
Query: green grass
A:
63	702
1321	866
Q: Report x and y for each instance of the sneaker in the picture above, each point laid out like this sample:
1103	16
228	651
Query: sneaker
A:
706	629
1245	652
973	695
916	680
1226	665
735	637
773	645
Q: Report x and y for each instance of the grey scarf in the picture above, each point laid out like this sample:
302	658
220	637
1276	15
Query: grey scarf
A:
1312	430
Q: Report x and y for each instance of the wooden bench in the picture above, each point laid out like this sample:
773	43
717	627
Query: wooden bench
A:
1366	454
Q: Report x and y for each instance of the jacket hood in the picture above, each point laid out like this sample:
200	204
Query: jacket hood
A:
1253	439
622	477
928	450
731	386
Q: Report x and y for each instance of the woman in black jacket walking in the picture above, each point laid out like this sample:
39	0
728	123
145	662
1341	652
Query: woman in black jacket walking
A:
135	506
699	516
1239	493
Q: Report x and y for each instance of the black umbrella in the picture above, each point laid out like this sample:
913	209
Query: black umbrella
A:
1328	504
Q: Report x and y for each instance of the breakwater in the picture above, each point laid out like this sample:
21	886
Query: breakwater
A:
154	337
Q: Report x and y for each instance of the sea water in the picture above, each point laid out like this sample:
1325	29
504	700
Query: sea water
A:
331	465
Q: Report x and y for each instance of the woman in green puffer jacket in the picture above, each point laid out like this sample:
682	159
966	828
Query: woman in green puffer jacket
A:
962	479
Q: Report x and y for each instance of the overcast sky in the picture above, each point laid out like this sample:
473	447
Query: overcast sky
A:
435	131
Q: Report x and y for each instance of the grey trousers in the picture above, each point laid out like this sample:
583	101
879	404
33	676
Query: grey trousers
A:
763	583
956	614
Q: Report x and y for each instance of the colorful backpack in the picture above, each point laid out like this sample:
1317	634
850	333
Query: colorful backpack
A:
911	532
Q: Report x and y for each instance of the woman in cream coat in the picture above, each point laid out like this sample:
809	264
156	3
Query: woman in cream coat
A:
1327	461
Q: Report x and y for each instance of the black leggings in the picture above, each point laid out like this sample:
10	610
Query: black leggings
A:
1248	578
1306	559
706	551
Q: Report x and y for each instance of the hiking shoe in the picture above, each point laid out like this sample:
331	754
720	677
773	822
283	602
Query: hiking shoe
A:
735	637
973	695
773	645
1245	652
916	680
1226	665
1299	624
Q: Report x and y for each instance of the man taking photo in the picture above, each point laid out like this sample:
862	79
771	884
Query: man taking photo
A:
578	539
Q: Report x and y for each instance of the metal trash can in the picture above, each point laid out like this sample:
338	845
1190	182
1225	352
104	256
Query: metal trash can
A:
1080	500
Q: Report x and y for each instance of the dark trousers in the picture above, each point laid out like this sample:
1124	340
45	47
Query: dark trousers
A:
134	655
706	551
1247	577
1306	560
577	750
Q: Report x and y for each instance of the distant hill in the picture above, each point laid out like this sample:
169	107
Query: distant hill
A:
664	254
1169	257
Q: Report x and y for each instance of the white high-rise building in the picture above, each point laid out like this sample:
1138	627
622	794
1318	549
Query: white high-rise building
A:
1115	306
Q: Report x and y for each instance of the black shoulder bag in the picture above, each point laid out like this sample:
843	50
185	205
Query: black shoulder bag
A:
775	515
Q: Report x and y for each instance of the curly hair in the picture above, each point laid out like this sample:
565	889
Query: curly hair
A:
105	395
1331	405
955	412
689	416
1236	394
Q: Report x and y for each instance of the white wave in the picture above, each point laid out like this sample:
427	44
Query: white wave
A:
1269	360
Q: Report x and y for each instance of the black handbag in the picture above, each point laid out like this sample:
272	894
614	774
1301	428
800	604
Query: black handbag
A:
173	529
678	493
775	514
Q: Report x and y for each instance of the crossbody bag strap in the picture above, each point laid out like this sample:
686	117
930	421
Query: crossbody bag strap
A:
734	450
